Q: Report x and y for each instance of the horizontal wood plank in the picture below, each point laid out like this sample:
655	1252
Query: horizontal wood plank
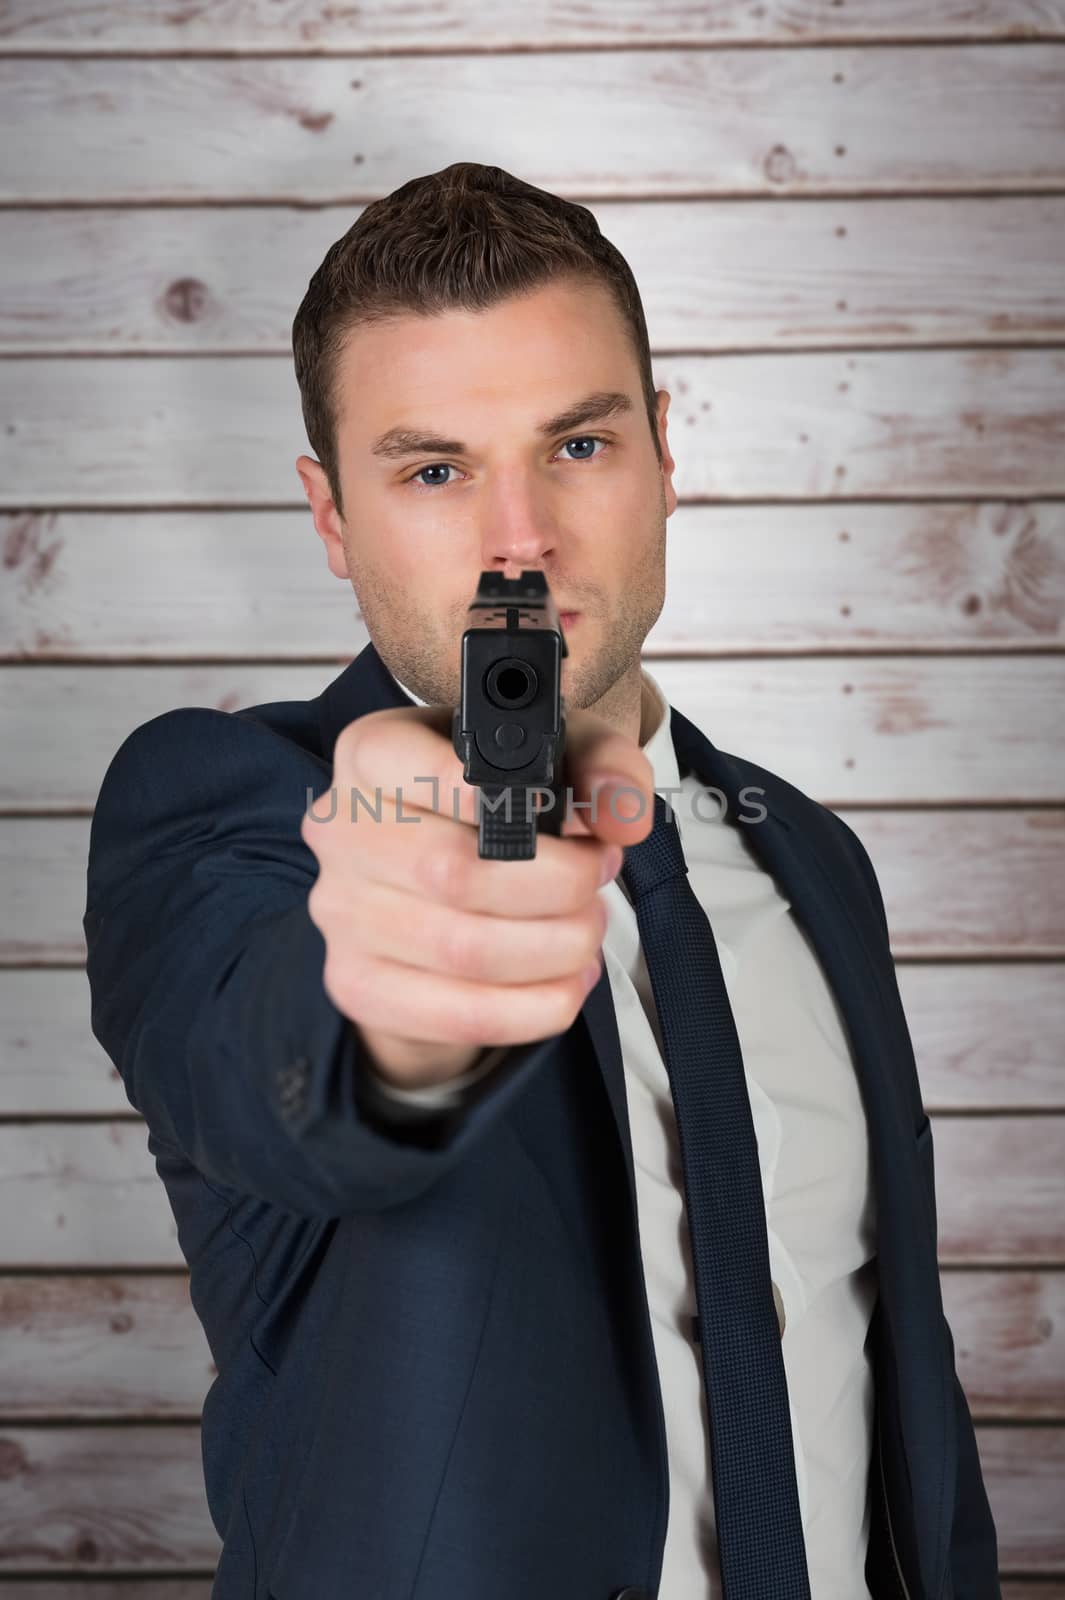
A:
1023	1472
973	882
111	1499
1018	1216
740	578
988	1036
935	730
226	431
942	900
83	1195
112	1347
88	1194
714	275
887	424
755	122
103	1499
929	730
1009	1342
945	898
50	1061
312	27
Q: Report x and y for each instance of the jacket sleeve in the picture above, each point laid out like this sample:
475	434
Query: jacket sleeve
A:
205	973
973	1540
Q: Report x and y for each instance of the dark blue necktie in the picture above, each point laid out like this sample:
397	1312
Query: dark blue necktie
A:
756	1500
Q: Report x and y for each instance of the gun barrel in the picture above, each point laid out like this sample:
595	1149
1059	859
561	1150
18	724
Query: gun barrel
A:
509	726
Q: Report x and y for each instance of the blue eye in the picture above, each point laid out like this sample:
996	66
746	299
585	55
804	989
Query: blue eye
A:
418	480
584	438
438	466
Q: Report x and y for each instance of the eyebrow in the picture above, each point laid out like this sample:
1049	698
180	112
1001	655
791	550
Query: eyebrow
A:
399	442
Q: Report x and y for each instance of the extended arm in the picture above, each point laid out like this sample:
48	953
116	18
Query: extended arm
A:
206	977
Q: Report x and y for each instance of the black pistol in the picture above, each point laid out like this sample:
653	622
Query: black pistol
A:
509	729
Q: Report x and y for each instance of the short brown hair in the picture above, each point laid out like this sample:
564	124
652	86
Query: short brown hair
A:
463	238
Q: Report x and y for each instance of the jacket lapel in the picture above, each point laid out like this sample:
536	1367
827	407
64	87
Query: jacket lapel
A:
799	844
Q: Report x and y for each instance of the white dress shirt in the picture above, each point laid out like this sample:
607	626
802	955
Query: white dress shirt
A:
814	1156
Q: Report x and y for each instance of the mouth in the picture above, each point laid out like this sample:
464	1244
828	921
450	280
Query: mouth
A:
568	618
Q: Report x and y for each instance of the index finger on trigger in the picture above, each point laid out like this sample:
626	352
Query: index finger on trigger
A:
426	776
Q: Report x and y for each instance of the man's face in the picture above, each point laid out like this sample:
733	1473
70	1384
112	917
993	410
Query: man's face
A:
585	503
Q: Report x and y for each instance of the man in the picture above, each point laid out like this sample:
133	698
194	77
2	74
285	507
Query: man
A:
462	1152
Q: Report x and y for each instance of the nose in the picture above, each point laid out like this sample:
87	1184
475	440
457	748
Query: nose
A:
519	530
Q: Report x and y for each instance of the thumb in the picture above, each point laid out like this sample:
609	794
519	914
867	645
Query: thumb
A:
611	779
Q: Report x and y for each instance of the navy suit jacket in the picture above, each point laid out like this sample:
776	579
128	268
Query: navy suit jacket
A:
436	1377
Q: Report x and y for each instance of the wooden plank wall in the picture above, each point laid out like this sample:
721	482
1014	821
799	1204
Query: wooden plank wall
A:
847	218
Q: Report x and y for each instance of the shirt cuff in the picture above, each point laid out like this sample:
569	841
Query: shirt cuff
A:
439	1096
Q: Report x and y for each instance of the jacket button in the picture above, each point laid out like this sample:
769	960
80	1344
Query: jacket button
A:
292	1087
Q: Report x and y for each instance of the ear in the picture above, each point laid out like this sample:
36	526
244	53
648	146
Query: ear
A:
662	396
327	520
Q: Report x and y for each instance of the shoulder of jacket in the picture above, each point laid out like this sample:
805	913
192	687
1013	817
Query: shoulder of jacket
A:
187	758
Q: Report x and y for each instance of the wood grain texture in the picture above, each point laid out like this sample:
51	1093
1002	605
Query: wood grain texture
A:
88	1194
1023	1472
988	1036
850	259
1018	1218
108	1346
226	431
752	122
118	1499
103	1346
760	579
98	1499
50	1061
1009	1342
971	882
83	1195
929	730
314	26
714	275
918	730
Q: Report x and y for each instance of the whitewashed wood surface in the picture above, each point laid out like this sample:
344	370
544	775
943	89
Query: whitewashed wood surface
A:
756	580
847	222
316	26
183	430
985	1035
80	1193
131	1346
715	275
969	882
958	117
104	1498
848	730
